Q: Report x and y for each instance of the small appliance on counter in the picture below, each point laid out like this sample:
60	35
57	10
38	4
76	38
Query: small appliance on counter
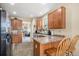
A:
49	32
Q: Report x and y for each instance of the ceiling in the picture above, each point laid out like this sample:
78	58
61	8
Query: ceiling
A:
27	10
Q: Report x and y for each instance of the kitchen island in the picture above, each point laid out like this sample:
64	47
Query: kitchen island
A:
43	42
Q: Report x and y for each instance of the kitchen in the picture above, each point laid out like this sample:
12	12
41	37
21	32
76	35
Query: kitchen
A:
43	31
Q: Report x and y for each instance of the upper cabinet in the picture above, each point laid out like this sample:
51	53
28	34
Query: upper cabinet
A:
50	21
16	24
39	23
56	19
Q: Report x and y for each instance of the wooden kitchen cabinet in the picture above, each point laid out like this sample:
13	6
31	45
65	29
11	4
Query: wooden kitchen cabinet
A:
17	38
56	19
39	24
19	24
50	21
36	49
13	23
39	49
16	24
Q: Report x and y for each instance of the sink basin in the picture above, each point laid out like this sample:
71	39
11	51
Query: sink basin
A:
41	36
59	35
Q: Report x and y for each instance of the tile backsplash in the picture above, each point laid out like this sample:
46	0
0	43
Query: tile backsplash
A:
58	32
61	32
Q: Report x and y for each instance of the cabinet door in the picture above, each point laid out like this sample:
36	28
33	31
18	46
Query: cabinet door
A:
36	48
19	24
17	38
56	19
39	24
63	15
36	25
59	21
16	24
50	21
14	38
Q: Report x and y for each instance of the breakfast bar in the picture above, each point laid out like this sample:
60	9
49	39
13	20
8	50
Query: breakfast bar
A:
43	42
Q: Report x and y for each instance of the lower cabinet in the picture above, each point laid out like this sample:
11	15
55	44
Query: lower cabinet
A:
40	48
17	38
36	47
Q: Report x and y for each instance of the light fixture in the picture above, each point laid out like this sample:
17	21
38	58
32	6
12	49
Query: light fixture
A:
14	12
40	12
12	3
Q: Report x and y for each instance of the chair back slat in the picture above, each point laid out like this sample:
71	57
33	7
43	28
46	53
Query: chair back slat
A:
73	42
63	46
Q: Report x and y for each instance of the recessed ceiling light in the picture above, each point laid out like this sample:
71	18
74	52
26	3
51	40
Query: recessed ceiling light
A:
41	13
14	12
12	3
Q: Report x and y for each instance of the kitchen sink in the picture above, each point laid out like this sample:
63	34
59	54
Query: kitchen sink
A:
41	36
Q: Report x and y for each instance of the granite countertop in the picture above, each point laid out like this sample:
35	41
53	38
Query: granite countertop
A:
47	39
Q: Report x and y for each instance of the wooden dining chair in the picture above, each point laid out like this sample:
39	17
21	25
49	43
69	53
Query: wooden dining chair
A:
73	43
60	50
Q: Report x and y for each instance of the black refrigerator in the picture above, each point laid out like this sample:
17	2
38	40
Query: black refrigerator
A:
5	37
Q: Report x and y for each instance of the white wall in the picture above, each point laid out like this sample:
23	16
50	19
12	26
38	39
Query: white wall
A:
26	26
75	19
32	28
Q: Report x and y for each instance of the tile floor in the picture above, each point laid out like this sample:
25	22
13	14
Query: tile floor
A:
26	49
23	49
